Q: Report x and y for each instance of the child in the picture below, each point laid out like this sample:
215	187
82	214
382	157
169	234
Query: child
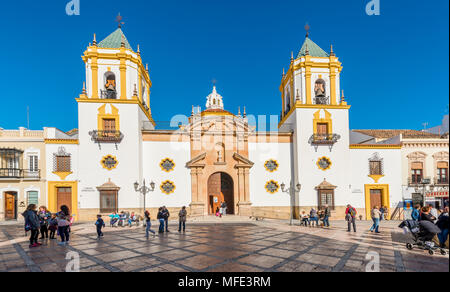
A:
53	226
100	224
217	212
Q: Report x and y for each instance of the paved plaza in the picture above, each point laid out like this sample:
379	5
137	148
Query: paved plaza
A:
247	246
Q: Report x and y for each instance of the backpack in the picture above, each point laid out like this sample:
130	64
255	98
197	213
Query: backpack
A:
352	212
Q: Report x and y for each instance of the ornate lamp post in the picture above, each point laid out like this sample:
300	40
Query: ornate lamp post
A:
144	190
291	191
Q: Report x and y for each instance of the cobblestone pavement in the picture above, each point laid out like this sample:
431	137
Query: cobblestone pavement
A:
221	247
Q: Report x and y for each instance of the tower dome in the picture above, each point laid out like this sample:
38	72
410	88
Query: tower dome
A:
214	100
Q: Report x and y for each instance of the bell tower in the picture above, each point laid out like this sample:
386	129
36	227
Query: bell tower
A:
113	109
314	109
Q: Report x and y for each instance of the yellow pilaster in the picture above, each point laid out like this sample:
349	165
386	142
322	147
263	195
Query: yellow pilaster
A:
333	86
308	79
94	69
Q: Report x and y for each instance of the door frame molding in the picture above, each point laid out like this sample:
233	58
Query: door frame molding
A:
384	197
16	200
52	195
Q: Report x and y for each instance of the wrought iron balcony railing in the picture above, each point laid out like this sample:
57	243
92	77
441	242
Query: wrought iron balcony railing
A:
108	94
418	181
15	173
322	100
441	181
106	136
324	139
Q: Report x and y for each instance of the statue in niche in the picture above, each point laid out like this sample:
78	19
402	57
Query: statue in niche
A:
319	88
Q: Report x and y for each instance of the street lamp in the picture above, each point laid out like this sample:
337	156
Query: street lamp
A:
297	188
144	189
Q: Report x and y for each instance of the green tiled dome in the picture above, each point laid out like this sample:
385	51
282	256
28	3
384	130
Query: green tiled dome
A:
114	41
313	48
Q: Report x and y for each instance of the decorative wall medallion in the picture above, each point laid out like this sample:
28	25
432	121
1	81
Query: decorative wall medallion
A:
271	165
109	162
167	165
272	187
324	163
167	187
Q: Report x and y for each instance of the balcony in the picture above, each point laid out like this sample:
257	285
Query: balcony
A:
418	181
18	174
108	94
106	136
322	100
441	181
324	139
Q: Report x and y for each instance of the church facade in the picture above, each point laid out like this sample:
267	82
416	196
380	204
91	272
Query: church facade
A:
312	160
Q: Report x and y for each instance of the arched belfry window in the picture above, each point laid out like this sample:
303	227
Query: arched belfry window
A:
320	91
110	86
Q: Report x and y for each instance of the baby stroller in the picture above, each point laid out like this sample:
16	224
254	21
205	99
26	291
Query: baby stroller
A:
423	233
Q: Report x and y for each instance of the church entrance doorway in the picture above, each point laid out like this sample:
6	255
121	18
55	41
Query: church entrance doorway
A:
220	189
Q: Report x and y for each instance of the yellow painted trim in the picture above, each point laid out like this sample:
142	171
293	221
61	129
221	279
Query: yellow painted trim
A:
276	183
114	115
163	183
52	193
327	120
62	175
61	141
299	105
102	162
329	166
203	114
119	101
161	163
366	146
278	165
384	198
376	178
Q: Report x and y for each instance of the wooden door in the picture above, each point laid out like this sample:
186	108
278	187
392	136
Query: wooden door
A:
64	197
375	198
214	192
322	131
10	206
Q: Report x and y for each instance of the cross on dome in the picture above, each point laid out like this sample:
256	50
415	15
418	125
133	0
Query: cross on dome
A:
214	100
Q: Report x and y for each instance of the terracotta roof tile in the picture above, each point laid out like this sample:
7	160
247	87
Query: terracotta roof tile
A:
387	134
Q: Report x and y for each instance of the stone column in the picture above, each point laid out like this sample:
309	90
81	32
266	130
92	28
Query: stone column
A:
197	206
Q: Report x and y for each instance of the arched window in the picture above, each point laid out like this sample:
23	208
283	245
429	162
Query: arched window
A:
320	91
110	86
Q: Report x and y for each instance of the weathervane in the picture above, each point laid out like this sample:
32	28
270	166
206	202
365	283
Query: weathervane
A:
307	27
119	20
214	81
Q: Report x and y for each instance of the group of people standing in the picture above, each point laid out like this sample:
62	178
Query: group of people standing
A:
222	210
163	218
438	217
42	222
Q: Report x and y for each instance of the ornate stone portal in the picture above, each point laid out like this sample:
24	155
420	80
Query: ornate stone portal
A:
207	130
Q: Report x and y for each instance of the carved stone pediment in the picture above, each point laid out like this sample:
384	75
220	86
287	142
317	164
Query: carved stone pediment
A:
195	162
417	156
442	156
242	161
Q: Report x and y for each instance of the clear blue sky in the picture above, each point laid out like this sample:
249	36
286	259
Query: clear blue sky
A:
396	66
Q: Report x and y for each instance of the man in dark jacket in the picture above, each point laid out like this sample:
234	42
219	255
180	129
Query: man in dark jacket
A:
166	216
327	215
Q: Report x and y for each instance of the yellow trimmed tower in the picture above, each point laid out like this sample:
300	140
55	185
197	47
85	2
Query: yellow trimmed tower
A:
318	115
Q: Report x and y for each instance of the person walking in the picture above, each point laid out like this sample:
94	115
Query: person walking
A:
161	220
148	224
382	211
166	218
376	217
327	215
32	224
415	214
350	217
99	224
64	219
44	217
443	225
182	216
